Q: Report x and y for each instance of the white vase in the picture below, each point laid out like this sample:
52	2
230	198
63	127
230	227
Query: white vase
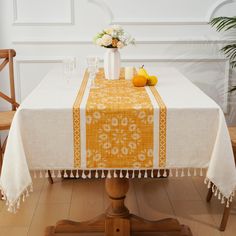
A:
112	64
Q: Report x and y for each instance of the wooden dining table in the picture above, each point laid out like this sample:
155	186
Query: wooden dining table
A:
71	128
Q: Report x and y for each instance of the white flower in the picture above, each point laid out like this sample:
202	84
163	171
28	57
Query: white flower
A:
141	114
141	157
109	30
114	151
106	40
132	127
97	157
117	27
120	44
132	145
97	115
106	145
106	127
135	136
124	150
103	137
99	42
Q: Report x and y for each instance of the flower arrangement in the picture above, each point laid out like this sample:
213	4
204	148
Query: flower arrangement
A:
113	37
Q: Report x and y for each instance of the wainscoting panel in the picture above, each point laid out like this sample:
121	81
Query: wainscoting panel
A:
168	33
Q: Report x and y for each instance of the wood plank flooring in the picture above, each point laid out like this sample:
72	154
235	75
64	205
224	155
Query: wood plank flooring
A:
79	200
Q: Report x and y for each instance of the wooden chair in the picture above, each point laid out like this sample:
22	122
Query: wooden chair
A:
224	220
6	117
6	58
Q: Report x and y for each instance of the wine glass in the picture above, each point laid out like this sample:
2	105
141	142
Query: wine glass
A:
69	65
92	68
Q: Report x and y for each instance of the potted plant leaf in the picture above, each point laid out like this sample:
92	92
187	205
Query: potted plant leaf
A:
224	24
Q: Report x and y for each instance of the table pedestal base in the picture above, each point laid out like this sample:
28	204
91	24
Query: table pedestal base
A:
117	221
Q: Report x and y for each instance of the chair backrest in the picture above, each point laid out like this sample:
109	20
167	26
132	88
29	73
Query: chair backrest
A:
6	58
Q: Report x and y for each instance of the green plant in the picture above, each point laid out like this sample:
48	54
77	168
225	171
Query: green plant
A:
225	24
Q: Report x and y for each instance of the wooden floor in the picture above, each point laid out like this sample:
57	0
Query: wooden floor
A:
183	198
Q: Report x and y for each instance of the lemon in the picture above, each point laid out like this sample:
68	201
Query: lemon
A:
139	81
152	80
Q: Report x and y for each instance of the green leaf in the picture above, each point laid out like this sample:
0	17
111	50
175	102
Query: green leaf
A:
233	64
224	23
232	89
230	51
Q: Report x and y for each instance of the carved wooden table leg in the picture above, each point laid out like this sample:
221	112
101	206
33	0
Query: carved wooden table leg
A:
117	221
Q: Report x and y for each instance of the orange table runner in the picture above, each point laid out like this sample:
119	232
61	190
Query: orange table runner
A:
119	125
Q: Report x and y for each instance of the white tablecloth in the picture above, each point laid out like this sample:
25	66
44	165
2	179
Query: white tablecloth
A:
41	136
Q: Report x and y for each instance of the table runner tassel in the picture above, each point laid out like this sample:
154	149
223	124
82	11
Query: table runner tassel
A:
26	193
127	174
23	197
96	174
89	174
4	198
231	198
219	196
65	174
139	174
115	174
189	173
121	174
201	172
35	174
31	188
170	173
83	174
77	174
209	184
58	174
103	174
165	173
205	180
18	203
227	204
176	173
70	174
133	174
195	172
145	174
158	174
152	173
213	188
40	174
46	174
182	173
109	174
216	191
222	200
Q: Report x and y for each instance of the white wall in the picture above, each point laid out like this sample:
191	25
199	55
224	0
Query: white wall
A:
168	33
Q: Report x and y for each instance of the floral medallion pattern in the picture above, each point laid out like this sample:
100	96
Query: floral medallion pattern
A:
119	126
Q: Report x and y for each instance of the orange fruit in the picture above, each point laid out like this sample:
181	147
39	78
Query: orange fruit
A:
139	81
